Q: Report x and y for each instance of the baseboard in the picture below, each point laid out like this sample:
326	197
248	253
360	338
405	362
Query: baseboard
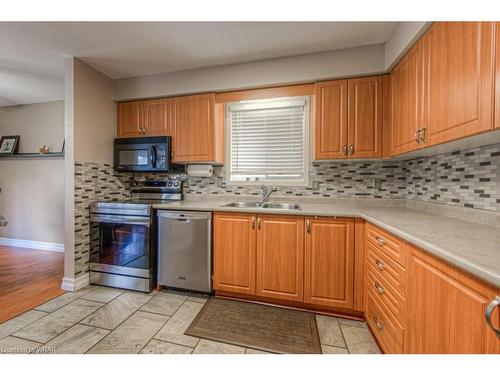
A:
73	285
37	245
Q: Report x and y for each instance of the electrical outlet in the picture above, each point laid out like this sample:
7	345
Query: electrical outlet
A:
377	184
315	185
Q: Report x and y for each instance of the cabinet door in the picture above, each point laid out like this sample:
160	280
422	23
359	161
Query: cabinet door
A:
157	117
446	310
331	120
458	80
234	253
194	128
497	75
365	117
280	257
329	262
406	91
130	117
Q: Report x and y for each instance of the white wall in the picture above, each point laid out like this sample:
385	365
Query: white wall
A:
33	189
295	69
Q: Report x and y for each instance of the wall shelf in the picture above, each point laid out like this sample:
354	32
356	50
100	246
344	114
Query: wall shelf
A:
33	155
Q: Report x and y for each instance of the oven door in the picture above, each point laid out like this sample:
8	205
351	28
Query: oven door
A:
120	245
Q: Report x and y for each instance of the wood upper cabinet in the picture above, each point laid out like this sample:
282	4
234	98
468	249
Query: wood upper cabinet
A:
365	117
234	252
407	101
497	74
446	309
195	132
331	120
458	80
159	117
280	257
129	116
329	262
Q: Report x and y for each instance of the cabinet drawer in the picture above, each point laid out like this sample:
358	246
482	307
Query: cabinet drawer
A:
386	328
385	294
389	244
386	268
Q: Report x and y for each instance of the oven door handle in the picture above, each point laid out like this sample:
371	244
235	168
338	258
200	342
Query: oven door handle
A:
114	219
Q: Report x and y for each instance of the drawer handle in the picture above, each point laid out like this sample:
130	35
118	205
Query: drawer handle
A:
489	311
380	289
380	241
380	265
379	325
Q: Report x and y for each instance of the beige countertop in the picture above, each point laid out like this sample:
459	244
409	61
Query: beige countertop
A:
469	246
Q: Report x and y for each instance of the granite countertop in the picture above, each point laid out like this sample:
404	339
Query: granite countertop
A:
472	247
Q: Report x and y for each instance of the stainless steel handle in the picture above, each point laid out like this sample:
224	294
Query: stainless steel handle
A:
380	240
345	150
184	220
422	135
379	325
380	264
116	219
258	223
489	311
308	226
253	222
351	149
379	288
417	135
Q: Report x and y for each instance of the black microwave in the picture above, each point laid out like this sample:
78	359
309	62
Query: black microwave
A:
144	154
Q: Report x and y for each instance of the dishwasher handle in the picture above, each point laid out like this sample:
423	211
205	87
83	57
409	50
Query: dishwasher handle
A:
184	216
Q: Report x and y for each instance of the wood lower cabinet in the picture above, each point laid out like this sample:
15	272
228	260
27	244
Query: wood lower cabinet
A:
280	257
446	309
329	262
497	75
234	252
458	80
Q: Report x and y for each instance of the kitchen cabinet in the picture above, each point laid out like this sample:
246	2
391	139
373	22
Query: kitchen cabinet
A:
329	262
130	117
349	116
234	252
497	75
331	120
447	313
458	80
407	101
280	257
196	134
365	117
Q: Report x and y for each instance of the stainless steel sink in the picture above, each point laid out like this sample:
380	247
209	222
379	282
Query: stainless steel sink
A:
268	205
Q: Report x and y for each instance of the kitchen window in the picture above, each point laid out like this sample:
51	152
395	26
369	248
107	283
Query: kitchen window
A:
268	141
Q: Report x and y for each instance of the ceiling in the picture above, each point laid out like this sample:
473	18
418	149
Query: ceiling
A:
31	62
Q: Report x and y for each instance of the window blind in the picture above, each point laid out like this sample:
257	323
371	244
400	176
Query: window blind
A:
268	140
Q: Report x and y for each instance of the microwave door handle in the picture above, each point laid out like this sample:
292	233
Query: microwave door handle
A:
153	156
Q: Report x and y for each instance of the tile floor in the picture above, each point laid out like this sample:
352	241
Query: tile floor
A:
104	320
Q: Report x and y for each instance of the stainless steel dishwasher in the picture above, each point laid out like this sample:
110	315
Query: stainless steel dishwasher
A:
184	250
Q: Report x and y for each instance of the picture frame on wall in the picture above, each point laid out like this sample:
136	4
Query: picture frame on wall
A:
9	145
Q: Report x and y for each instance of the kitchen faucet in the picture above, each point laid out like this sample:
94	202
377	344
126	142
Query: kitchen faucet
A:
267	191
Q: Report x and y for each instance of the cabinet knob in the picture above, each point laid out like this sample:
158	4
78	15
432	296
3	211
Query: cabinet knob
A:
379	325
379	288
417	136
258	223
253	222
345	150
308	226
351	149
380	240
380	264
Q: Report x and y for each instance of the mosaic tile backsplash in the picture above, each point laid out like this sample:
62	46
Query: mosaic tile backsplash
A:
469	178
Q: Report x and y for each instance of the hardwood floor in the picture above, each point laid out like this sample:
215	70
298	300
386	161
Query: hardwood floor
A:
28	278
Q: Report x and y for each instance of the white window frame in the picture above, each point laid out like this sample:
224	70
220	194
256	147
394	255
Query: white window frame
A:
276	182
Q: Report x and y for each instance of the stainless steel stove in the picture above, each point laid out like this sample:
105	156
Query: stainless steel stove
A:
123	236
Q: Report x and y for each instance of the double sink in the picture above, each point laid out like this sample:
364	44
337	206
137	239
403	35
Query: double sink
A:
267	205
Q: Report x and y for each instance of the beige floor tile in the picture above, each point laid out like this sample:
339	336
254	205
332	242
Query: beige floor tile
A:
162	347
164	303
214	347
64	299
16	345
76	340
54	324
359	340
116	311
102	294
255	351
132	335
351	322
327	349
20	321
173	330
329	331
